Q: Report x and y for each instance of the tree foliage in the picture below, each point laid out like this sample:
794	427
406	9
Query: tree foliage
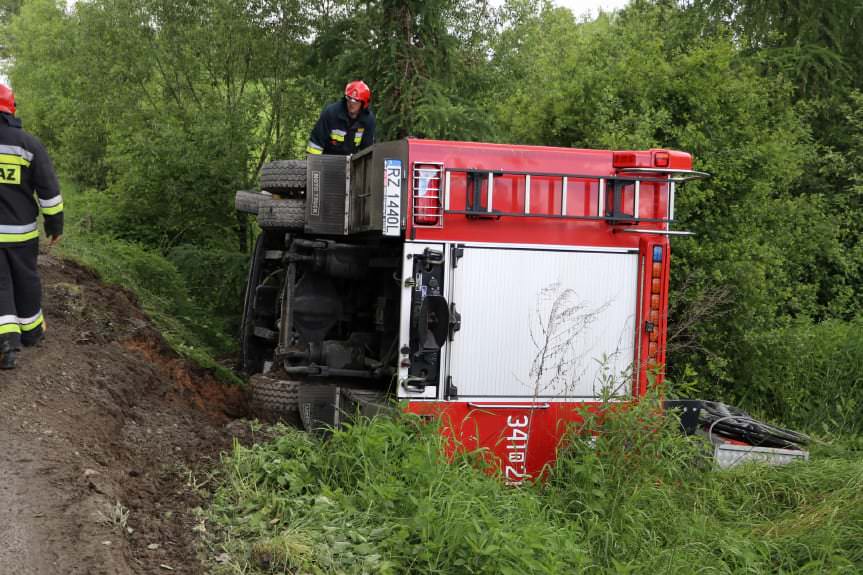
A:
163	109
426	60
815	44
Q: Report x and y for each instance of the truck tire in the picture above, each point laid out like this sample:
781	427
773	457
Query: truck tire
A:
275	399
247	201
283	176
282	214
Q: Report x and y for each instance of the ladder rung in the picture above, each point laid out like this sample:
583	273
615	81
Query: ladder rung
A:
564	193
601	207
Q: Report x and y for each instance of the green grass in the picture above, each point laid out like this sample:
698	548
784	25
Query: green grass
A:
378	497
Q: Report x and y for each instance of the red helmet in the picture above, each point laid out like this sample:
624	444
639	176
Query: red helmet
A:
7	99
358	90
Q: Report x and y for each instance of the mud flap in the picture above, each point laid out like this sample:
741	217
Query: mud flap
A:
319	407
323	408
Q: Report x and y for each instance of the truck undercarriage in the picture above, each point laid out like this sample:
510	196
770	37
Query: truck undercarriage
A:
322	308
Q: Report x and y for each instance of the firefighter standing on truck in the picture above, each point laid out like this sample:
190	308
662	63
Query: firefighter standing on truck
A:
28	185
347	126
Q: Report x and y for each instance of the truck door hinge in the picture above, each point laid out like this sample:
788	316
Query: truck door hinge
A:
454	321
456	254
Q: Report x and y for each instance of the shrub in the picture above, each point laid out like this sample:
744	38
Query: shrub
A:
216	281
808	375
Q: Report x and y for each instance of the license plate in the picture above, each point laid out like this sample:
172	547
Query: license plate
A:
392	211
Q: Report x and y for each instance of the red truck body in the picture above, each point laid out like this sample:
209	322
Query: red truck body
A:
501	288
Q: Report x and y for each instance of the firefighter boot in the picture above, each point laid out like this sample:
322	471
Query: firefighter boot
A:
8	360
34	336
29	340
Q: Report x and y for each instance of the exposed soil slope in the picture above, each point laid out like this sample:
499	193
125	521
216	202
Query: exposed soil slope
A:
102	419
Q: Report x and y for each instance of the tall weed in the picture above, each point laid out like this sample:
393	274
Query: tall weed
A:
650	501
215	279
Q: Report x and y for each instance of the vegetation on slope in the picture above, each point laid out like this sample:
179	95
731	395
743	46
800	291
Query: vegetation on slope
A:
197	318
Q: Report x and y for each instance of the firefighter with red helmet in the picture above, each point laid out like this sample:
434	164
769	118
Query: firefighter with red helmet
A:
28	186
347	126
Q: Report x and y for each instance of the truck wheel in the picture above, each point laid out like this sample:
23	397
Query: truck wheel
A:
283	214
275	399
252	353
248	201
283	176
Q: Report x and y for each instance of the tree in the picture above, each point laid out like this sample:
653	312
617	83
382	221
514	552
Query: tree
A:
425	61
166	108
815	44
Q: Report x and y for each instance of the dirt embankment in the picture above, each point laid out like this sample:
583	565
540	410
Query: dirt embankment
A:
103	434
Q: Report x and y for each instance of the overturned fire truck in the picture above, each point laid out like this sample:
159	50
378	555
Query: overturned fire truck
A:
500	288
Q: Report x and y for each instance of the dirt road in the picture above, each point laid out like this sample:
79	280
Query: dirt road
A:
103	435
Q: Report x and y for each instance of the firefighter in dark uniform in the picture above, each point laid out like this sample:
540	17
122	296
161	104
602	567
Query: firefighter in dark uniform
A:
347	126
28	186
